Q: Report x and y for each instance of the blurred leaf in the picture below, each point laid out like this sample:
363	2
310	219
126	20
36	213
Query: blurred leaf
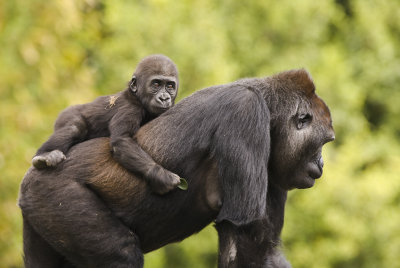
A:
183	185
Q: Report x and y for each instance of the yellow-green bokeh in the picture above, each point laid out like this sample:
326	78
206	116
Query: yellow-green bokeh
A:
58	53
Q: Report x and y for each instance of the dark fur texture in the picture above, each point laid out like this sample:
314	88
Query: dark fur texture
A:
119	116
241	147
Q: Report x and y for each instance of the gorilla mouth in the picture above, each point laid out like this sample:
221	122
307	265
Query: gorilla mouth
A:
160	108
163	105
316	167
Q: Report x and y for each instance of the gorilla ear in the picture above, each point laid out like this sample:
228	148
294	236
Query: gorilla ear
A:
133	85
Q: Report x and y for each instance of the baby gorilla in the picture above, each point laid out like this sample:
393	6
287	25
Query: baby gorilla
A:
152	90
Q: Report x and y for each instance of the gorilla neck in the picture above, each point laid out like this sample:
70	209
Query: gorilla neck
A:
134	100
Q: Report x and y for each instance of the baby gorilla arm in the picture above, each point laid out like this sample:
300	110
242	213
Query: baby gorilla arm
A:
131	156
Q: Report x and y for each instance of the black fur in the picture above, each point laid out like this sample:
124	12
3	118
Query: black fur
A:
225	140
119	116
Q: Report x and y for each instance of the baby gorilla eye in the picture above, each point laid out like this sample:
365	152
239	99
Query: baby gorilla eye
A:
170	86
155	83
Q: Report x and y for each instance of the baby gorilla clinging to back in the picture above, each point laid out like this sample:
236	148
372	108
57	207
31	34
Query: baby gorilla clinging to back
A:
151	91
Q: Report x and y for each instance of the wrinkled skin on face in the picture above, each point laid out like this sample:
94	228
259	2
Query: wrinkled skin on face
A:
161	91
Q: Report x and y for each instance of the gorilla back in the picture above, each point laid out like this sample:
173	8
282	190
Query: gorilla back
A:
233	143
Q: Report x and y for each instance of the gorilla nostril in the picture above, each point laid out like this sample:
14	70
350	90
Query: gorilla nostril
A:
329	138
321	162
164	97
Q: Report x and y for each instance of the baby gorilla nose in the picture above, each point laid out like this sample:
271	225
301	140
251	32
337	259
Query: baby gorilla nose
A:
164	98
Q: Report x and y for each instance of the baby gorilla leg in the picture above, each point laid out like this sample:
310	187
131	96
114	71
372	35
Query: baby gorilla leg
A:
70	129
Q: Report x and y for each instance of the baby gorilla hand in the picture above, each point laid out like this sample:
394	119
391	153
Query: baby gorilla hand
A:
161	180
50	159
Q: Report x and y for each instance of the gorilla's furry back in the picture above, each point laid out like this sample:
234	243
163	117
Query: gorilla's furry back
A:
229	124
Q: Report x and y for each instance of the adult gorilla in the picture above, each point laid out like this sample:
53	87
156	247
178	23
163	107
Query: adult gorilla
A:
241	147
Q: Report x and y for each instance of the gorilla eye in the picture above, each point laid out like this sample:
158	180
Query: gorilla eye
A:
170	85
155	83
303	120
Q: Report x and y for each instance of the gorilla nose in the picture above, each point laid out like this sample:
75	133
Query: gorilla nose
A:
164	97
321	162
330	137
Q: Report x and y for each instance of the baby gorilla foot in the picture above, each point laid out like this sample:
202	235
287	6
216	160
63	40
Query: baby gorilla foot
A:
162	181
50	159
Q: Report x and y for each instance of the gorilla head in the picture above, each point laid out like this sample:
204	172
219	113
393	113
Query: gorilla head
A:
156	82
298	131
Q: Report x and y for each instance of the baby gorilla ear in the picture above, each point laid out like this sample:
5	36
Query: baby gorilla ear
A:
133	85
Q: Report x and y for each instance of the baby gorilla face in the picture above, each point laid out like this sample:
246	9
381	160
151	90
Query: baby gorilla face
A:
161	91
156	83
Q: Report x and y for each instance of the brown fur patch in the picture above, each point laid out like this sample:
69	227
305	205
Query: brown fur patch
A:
111	181
301	79
321	110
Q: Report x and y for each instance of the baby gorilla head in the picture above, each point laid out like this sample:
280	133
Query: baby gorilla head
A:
155	81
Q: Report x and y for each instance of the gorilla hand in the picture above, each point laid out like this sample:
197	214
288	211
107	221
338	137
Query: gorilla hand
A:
161	180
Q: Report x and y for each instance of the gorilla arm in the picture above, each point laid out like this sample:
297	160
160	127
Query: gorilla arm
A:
132	157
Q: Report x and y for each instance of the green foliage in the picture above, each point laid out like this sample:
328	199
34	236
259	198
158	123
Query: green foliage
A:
58	53
183	185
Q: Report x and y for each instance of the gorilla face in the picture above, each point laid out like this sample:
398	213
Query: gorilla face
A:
162	93
156	83
296	143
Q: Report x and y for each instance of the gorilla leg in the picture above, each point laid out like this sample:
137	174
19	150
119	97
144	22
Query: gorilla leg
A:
70	128
76	224
38	253
242	246
250	245
277	260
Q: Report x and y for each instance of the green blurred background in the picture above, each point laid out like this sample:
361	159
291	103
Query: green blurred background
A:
57	53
